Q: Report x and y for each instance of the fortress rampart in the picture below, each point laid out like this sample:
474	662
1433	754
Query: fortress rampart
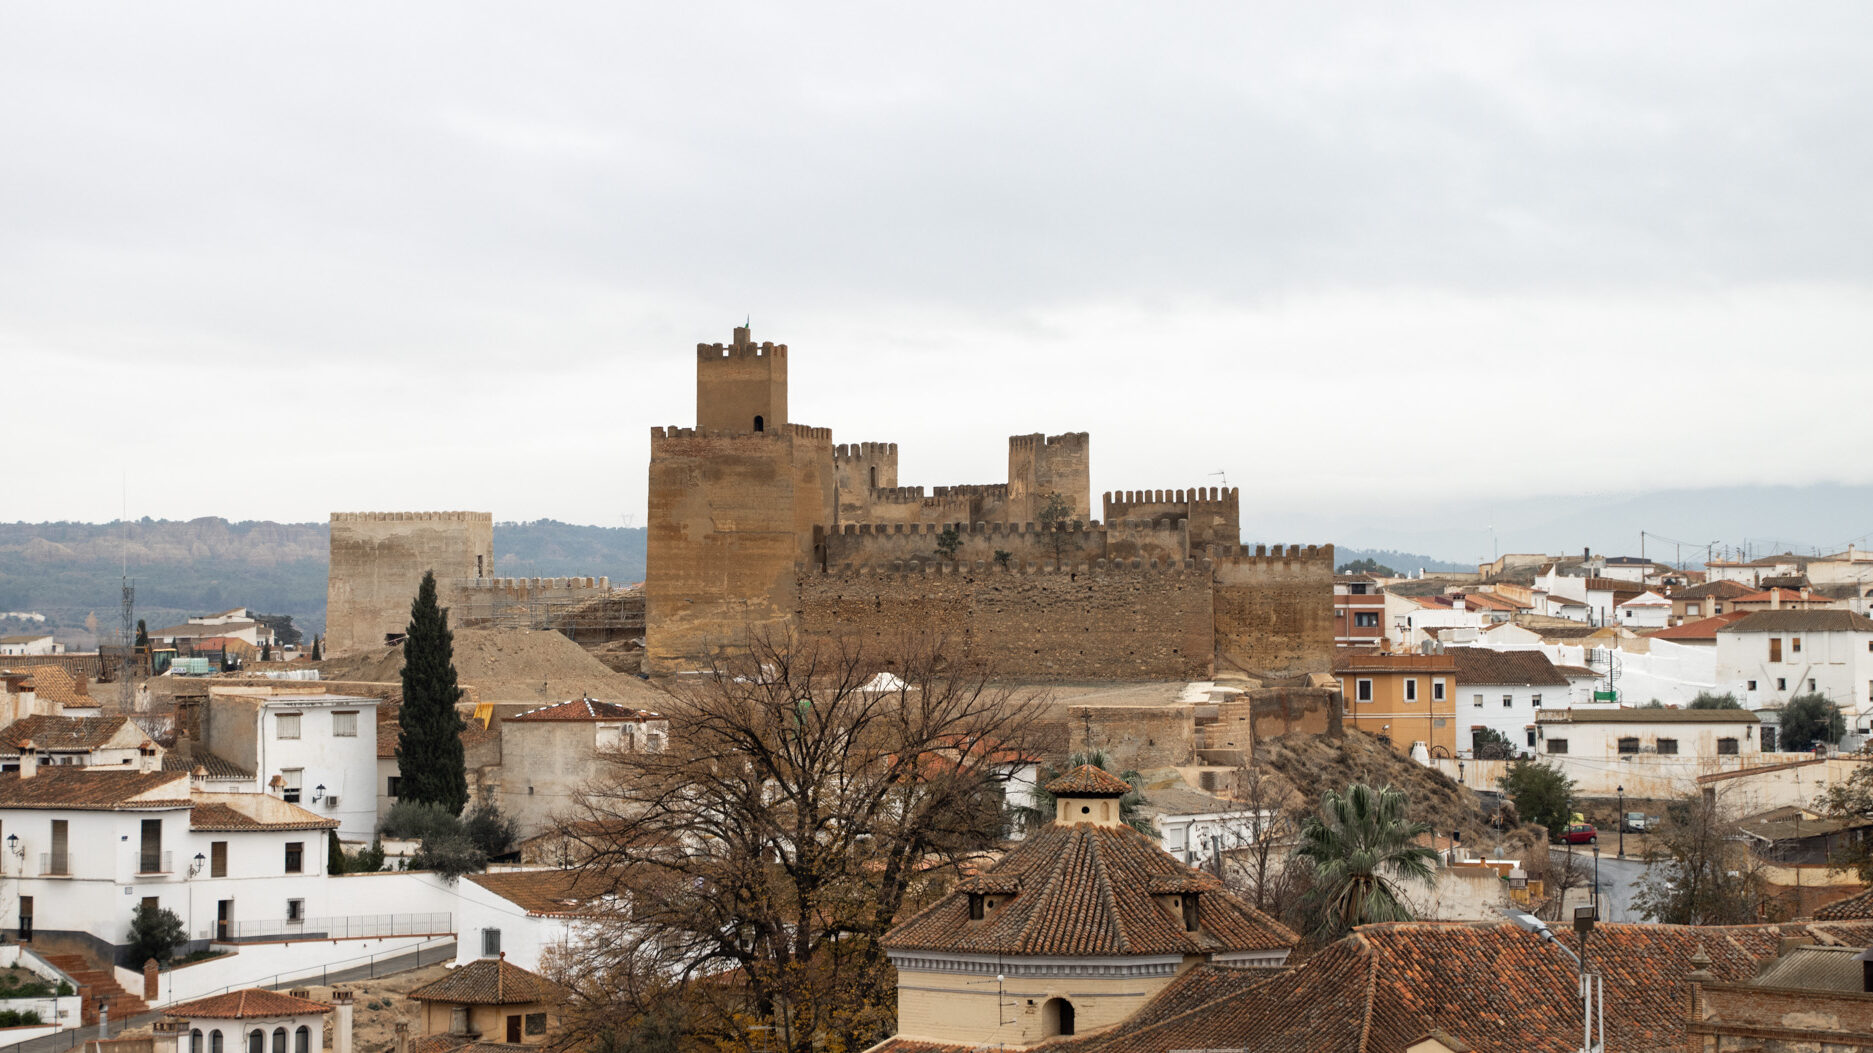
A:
377	563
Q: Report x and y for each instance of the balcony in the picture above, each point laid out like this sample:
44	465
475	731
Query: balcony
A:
55	864
155	862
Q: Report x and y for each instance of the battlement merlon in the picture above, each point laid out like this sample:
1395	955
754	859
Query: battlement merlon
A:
743	347
531	584
792	431
1129	526
972	490
905	569
405	517
1198	495
1068	439
863	451
1272	554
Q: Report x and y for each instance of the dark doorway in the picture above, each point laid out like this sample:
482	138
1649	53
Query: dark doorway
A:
224	919
759	424
513	1030
26	919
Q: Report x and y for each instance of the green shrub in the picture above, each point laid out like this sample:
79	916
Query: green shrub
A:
19	1018
155	933
417	821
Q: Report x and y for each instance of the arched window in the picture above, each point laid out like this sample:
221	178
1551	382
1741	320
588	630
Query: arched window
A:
214	1041
302	1040
759	424
256	1041
279	1040
1056	1017
195	1040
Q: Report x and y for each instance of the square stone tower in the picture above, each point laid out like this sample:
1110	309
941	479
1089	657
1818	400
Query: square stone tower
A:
742	388
378	560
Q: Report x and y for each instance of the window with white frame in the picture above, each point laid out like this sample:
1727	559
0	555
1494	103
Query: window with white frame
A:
1437	689
490	942
345	723
1536	699
286	726
291	782
1411	689
1507	701
1362	689
295	909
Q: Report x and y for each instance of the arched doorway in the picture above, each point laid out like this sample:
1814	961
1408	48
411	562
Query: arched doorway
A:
1056	1017
759	424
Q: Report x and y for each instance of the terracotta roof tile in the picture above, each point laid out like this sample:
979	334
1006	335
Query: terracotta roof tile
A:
550	893
1856	908
93	789
239	1005
1480	665
1088	780
63	733
217	766
54	683
1818	621
490	981
1702	629
216	816
1087	890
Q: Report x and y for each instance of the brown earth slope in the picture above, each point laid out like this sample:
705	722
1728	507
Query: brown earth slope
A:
513	665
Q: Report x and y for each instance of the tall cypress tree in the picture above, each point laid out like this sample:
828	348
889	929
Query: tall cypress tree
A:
429	735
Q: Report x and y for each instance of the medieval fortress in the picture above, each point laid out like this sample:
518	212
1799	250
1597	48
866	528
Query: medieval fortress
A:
761	525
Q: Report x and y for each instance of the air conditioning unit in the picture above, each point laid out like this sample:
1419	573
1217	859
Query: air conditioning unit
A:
331	800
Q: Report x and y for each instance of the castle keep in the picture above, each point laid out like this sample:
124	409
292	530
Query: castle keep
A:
758	524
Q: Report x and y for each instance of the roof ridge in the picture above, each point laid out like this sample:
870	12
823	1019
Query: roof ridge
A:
1111	902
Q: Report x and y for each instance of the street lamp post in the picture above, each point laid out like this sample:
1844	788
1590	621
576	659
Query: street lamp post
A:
1621	818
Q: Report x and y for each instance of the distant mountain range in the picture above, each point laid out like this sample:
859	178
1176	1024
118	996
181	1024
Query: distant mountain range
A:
68	571
71	571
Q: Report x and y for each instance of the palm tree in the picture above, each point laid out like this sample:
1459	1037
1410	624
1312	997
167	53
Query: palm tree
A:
1360	845
1042	811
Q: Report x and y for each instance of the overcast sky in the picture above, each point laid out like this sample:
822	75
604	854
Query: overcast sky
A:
280	260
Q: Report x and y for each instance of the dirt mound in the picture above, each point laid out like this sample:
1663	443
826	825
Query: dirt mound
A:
1314	763
513	665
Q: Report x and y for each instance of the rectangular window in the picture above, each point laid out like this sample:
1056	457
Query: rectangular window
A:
392	785
1411	689
1557	745
290	784
536	1023
1536	698
1362	690
1629	745
1366	619
1690	610
1508	701
345	724
1437	689
1794	644
295	857
1752	685
1811	686
1667	747
1477	701
1726	747
150	859
1775	648
218	859
490	942
1781	683
60	861
286	726
295	910
1531	738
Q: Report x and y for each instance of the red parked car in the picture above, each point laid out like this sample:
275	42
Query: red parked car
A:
1580	834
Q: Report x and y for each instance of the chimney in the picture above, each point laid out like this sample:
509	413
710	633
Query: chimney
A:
341	1022
1775	599
401	1043
147	760
29	760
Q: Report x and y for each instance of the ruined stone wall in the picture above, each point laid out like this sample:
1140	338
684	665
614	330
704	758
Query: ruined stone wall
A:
1274	608
1042	464
1103	621
731	516
858	468
523	603
1139	738
911	505
377	563
1214	513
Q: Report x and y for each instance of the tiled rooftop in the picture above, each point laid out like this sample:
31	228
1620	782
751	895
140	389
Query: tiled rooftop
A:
240	1005
490	981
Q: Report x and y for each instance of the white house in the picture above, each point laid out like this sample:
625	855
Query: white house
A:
114	742
254	1020
1770	657
527	914
1502	691
28	644
84	846
1648	610
321	748
1597	736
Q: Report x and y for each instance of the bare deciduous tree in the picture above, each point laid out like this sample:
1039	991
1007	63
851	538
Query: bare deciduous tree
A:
802	803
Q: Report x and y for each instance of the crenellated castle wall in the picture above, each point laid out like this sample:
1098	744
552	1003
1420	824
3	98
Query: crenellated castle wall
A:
1039	465
1214	513
1099	620
377	564
1274	608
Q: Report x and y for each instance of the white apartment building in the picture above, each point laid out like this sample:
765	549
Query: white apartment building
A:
29	644
109	742
1648	610
1770	657
1605	736
1503	691
315	750
82	847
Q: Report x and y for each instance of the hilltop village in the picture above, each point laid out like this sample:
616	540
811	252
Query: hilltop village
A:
865	764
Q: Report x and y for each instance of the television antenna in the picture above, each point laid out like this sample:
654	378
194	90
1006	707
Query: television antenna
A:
1225	476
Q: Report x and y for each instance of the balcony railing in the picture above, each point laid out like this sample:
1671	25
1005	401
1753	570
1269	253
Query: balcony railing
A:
344	927
155	862
55	864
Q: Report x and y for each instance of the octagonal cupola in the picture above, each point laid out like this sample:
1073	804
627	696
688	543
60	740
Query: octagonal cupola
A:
1088	795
